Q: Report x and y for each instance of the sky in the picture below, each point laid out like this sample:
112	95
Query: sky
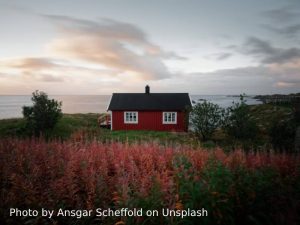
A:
90	47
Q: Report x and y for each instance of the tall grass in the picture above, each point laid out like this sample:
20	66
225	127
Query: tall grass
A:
235	188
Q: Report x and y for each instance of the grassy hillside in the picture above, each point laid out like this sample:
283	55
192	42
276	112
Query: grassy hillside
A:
266	114
11	127
84	126
69	124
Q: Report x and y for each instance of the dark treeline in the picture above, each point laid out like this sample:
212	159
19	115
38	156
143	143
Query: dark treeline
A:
239	125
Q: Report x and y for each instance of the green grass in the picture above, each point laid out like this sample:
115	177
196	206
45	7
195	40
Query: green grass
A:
11	127
86	126
71	123
165	138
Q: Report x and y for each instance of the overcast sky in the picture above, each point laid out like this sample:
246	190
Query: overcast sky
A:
105	46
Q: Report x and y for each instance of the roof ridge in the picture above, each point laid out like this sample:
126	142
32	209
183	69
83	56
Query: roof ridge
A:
151	101
152	93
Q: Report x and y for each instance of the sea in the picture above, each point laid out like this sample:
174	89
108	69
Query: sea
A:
11	105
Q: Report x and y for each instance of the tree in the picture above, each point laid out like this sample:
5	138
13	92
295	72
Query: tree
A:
238	122
43	115
206	117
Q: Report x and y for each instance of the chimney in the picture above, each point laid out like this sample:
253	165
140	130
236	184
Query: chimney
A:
147	89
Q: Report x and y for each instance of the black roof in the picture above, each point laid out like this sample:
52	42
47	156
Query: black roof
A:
149	101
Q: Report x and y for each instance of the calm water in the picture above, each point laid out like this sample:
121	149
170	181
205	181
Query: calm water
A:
11	105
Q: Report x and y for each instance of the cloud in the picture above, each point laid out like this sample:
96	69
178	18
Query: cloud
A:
51	78
97	57
48	70
223	56
3	75
252	79
31	68
113	44
290	31
46	78
53	75
218	56
283	14
266	53
285	21
287	84
29	63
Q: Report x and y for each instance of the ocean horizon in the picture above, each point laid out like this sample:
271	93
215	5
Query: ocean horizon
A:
11	105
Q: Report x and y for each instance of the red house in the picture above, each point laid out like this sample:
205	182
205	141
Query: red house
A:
149	111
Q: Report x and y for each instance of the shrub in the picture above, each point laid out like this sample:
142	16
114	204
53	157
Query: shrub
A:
238	123
282	135
206	117
43	115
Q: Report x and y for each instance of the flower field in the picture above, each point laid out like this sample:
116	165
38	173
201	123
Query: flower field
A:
234	188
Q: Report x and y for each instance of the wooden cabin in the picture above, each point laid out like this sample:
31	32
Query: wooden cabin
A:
150	111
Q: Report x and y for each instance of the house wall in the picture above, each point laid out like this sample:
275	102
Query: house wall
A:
148	120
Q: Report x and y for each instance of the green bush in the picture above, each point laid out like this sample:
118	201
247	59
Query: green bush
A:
43	115
239	124
206	117
282	135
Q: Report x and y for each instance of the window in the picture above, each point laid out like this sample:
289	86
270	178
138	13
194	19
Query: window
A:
169	117
130	117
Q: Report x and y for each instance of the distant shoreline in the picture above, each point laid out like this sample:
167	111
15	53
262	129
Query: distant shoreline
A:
11	106
279	98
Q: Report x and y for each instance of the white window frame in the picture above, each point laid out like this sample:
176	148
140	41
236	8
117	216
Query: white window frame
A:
169	122
131	121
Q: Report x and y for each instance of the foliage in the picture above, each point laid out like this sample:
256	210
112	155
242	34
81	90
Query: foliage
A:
12	127
85	127
282	134
265	114
238	123
297	114
43	115
206	117
235	188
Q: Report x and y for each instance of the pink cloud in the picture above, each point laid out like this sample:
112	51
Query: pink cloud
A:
111	43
